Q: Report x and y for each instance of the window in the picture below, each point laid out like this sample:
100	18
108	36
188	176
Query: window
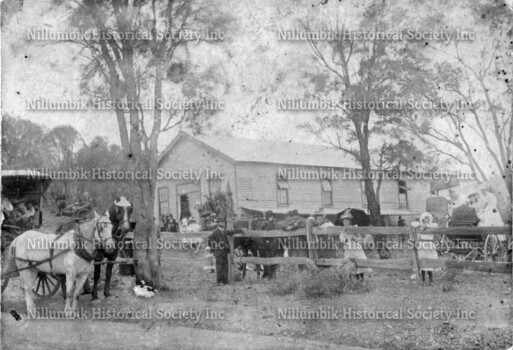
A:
163	194
403	195
214	185
326	193
283	192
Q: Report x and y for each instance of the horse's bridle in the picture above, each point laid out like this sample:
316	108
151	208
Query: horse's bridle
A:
119	237
100	225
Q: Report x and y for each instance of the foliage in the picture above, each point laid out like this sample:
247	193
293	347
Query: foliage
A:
358	75
140	61
219	203
26	145
318	283
22	144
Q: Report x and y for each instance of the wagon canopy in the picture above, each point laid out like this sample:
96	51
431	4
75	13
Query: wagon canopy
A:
24	185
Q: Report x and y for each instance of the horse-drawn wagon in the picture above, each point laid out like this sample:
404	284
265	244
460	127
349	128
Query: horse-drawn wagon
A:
465	246
76	209
22	204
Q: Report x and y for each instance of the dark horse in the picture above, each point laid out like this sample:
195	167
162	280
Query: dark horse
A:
119	214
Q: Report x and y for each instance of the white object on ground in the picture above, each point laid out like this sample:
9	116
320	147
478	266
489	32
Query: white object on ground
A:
143	291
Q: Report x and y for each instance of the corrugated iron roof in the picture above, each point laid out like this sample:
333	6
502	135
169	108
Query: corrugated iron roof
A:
250	150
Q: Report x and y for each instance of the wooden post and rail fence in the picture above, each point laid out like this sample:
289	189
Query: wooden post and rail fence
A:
412	263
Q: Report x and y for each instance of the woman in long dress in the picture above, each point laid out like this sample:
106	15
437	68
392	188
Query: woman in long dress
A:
353	248
426	248
486	209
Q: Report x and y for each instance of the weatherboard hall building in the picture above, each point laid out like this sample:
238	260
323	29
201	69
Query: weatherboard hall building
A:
279	176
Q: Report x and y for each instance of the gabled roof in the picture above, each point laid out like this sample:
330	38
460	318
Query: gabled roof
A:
250	150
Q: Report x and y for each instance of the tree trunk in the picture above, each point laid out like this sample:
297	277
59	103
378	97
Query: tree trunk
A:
146	238
372	203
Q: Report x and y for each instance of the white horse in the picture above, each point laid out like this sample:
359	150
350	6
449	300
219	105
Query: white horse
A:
70	253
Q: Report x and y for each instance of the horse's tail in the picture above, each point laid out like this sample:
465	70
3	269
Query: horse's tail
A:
9	268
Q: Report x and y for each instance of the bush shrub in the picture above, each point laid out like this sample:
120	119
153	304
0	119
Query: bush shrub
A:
324	282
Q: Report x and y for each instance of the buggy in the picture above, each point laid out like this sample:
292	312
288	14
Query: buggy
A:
464	247
21	187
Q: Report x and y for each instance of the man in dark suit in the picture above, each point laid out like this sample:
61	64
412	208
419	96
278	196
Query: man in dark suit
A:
220	248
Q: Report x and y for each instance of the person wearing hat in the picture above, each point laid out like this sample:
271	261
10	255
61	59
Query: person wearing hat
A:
426	246
353	246
320	219
219	247
6	209
269	217
456	199
487	209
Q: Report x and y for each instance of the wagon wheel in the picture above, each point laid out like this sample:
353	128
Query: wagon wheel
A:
508	251
474	254
47	284
5	281
443	244
493	249
85	214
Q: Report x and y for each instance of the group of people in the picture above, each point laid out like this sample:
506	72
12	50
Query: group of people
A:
484	202
23	215
187	224
168	223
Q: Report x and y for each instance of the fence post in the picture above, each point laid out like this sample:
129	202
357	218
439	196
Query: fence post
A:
231	277
415	254
311	241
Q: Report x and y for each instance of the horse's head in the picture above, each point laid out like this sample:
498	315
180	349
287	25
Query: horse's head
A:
120	216
103	233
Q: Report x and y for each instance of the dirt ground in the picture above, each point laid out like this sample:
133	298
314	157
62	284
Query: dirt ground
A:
479	304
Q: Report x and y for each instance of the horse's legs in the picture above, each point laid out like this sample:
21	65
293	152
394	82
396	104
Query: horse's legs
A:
108	274
87	286
63	285
70	281
97	273
28	278
79	282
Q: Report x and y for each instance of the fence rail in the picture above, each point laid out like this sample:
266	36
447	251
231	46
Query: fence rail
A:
413	263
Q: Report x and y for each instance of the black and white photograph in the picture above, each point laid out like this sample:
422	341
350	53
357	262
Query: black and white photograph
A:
256	174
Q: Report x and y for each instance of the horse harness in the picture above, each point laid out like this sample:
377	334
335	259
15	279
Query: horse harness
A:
79	250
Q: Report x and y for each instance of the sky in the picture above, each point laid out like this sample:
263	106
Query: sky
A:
252	60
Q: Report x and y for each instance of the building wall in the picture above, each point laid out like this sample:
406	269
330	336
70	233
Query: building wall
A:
418	192
186	156
254	185
389	194
257	187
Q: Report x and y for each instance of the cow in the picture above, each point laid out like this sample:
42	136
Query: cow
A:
357	217
263	247
253	245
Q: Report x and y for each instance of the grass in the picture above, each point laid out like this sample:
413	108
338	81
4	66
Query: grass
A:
320	283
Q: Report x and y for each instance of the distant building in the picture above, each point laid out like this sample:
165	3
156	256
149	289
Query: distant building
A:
277	176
